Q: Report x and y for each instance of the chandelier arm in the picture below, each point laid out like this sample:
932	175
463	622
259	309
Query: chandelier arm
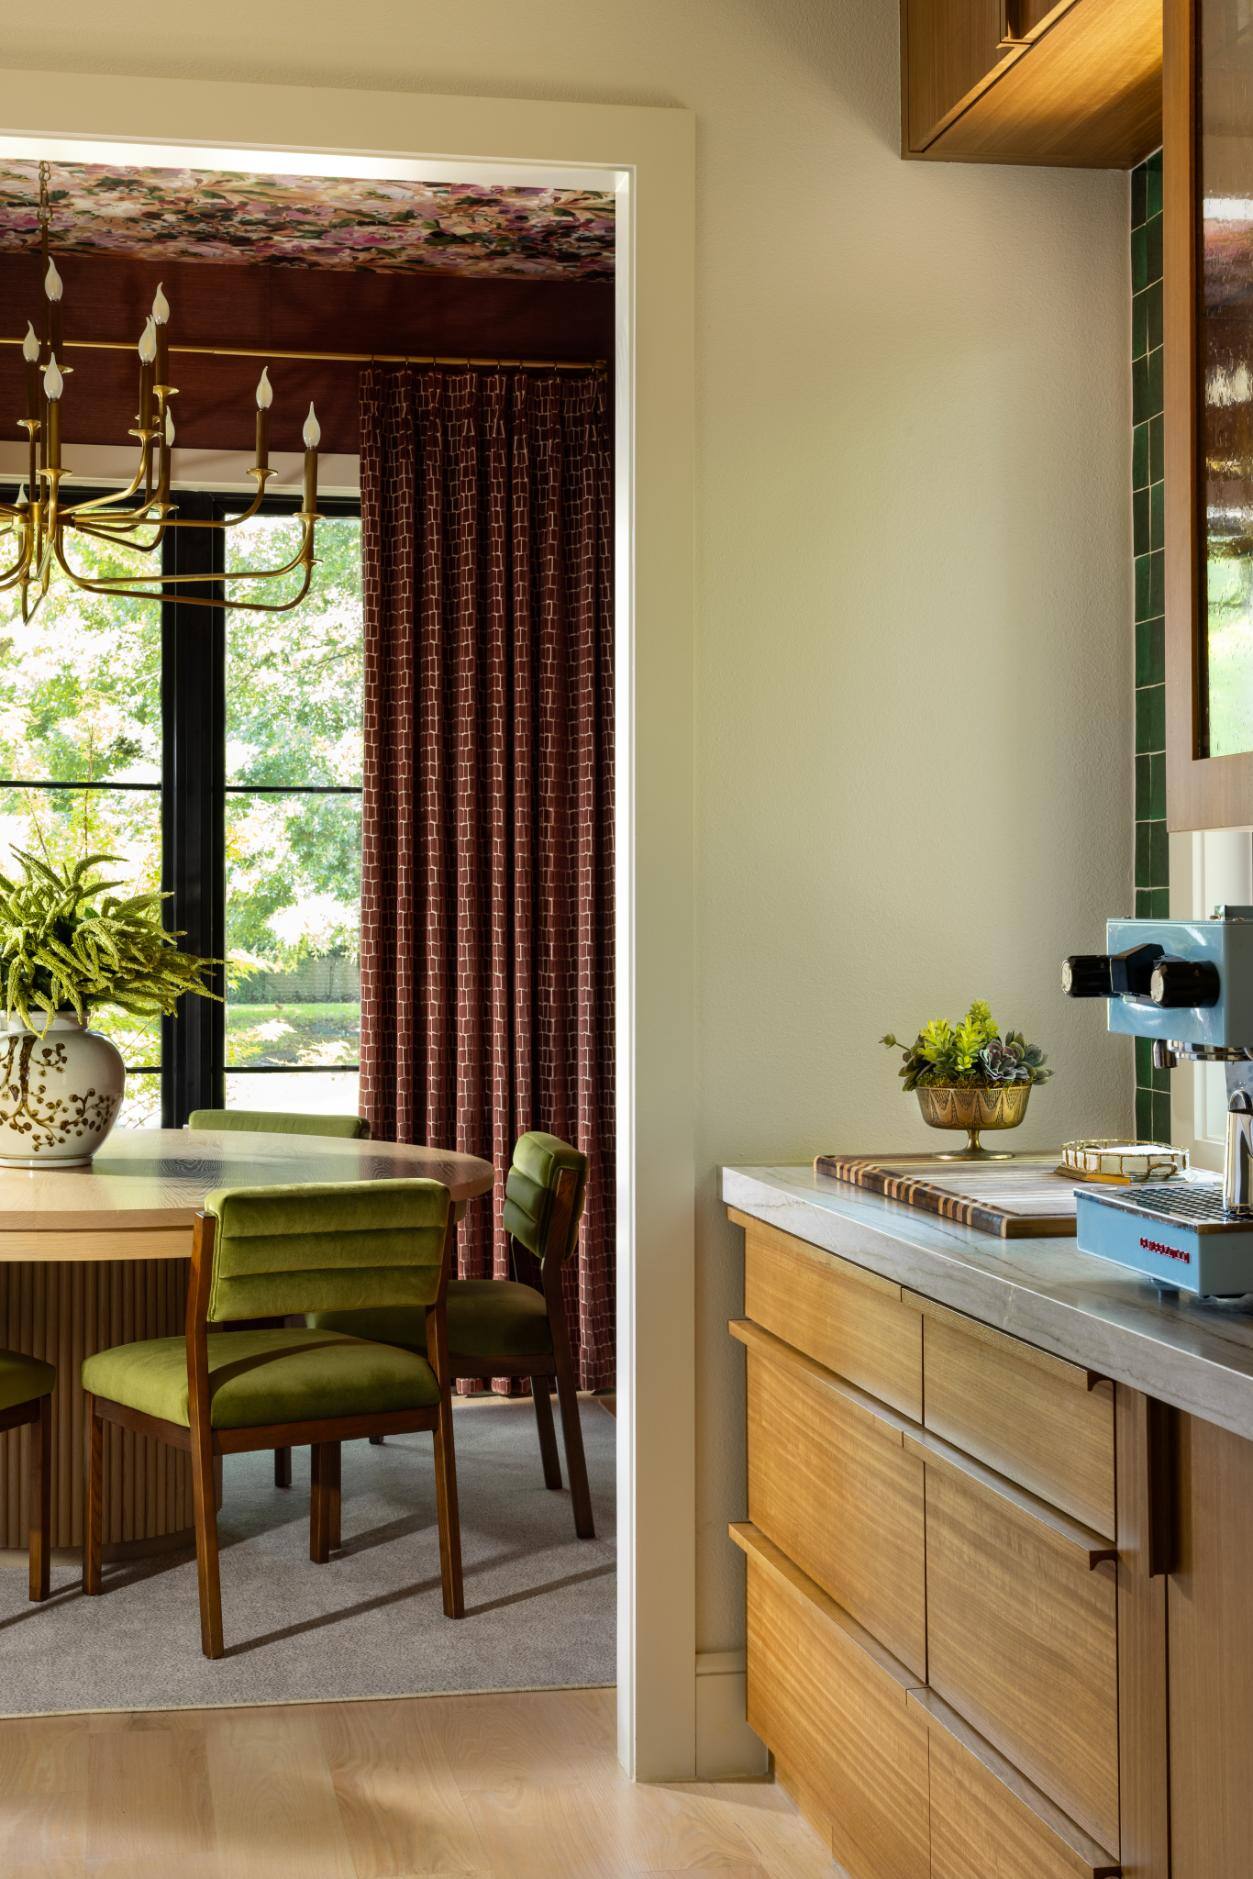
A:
101	503
192	600
106	584
170	521
18	572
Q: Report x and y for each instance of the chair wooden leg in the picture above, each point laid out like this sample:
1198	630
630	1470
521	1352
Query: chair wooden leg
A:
93	1511
324	1501
282	1467
376	1441
205	1514
572	1436
448	1513
547	1433
40	1514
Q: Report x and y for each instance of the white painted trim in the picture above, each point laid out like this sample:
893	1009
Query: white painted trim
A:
1207	867
726	1748
647	156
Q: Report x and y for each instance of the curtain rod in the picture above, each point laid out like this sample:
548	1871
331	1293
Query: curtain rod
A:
332	358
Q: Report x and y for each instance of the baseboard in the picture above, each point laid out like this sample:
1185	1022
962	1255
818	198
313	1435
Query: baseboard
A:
726	1747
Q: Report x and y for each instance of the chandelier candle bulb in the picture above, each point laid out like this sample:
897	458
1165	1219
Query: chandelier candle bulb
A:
54	287
54	385
265	398
160	321
30	371
311	437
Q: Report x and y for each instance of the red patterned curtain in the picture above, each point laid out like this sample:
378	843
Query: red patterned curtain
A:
487	883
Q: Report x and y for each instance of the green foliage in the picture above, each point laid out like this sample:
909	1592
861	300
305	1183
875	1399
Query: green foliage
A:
69	943
970	1054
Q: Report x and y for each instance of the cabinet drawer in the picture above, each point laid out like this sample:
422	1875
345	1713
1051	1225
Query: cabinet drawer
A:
1022	1639
848	1319
832	1707
1045	1423
830	1483
985	1819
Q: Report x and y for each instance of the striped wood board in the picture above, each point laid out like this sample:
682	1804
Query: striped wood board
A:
1017	1200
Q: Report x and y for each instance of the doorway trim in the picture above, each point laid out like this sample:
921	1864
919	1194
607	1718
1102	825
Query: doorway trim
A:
646	155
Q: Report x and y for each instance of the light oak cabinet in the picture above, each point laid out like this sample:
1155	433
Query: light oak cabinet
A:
1074	82
1005	1629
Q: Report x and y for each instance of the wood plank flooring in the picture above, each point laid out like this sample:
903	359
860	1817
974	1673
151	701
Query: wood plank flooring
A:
514	1784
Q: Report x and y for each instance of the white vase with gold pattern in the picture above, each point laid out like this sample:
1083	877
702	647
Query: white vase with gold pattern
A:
60	1092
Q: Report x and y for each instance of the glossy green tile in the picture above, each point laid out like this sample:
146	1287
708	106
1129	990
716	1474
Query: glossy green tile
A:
1144	869
1142	406
1151	651
1139	195
1159	855
1140	457
1161	1117
1157	456
1157	786
1151	717
1159	903
1144	1063
1153	248
1140	324
1141	524
1150	585
1157	515
1153	381
1144	1114
1161	1080
1153	185
1152	298
1143	776
1144	903
1139	258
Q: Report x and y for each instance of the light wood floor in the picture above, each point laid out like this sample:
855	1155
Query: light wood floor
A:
513	1784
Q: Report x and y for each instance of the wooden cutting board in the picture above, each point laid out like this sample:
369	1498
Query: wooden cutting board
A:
1017	1200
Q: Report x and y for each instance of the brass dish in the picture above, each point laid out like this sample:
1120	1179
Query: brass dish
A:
994	1106
1122	1163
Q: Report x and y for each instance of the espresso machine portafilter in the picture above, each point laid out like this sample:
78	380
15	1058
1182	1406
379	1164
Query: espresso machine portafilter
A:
1187	985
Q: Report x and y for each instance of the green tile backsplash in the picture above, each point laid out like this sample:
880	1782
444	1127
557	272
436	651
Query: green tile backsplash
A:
1151	853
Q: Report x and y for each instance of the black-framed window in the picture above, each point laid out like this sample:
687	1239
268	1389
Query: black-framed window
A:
219	754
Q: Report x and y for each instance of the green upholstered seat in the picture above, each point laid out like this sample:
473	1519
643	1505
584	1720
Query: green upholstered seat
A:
486	1318
259	1377
278	1122
24	1379
530	1185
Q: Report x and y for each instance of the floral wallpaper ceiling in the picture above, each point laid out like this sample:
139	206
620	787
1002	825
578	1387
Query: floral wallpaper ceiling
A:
321	222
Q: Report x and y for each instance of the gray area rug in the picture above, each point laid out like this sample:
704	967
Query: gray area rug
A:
539	1602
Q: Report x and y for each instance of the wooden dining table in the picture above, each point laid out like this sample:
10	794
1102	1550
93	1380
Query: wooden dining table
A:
96	1256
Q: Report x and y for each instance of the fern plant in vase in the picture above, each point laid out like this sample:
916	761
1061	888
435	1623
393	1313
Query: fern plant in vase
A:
72	945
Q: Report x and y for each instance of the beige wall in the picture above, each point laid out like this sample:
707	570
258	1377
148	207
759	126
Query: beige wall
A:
914	662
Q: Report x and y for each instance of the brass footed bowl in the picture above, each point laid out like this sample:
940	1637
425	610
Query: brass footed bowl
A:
944	1106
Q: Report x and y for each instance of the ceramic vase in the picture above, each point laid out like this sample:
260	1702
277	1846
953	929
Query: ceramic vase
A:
60	1092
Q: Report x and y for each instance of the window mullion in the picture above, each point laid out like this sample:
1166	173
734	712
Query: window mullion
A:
194	731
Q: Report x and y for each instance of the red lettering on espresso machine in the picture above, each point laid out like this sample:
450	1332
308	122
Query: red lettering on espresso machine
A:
1167	1252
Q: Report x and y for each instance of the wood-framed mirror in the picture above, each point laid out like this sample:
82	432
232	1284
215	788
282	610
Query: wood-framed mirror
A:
1208	421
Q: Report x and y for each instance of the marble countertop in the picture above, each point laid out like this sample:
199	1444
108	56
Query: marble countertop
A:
1197	1356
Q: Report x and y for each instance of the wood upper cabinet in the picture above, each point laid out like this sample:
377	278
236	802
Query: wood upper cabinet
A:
1066	82
954	50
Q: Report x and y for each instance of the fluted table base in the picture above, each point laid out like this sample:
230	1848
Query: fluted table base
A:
63	1312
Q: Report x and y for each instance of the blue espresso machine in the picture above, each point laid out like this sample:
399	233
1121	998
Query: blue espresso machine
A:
1188	986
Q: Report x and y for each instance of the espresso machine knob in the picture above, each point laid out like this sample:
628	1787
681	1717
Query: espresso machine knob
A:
1183	984
1086	975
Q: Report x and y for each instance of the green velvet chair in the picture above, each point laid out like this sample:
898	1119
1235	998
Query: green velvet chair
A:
26	1386
279	1122
281	1251
503	1328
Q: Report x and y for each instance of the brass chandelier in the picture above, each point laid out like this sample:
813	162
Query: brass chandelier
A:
41	525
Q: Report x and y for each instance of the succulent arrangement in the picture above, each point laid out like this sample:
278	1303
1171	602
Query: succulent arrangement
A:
69	942
971	1054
